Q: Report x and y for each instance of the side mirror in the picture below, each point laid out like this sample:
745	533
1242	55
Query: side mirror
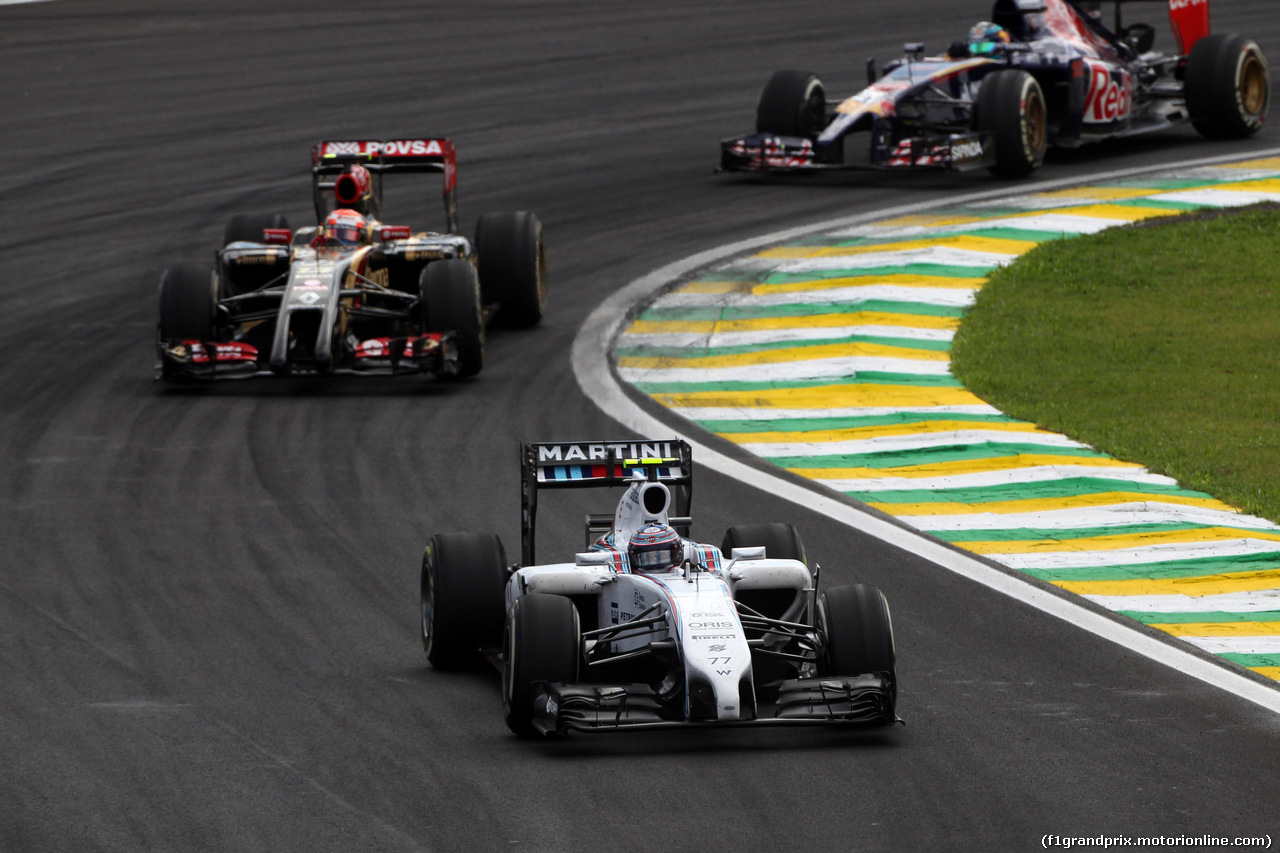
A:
1140	37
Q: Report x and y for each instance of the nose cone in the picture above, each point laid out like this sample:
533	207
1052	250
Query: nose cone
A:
717	658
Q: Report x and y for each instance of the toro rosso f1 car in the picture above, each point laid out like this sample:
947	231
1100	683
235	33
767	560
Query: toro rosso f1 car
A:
646	628
352	294
1039	73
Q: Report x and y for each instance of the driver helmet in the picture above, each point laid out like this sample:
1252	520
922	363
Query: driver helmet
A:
654	548
985	37
346	226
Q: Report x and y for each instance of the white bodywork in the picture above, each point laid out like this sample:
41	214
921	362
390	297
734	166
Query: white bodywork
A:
697	599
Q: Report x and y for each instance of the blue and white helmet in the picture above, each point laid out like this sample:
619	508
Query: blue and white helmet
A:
986	37
654	548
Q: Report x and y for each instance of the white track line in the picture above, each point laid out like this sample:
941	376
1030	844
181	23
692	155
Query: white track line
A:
592	368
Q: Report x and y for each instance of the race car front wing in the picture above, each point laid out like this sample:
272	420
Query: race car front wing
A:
434	352
765	152
861	700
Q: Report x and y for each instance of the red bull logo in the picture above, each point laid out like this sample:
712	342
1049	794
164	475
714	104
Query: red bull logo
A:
1109	98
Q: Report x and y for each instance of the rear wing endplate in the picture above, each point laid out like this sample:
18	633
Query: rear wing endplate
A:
1190	22
1189	19
597	464
330	157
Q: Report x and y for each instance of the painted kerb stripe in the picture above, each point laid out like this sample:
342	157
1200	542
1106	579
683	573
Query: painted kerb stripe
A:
1076	515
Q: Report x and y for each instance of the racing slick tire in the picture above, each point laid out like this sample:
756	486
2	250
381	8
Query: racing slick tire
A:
463	590
449	298
248	228
188	309
781	541
792	103
1227	87
513	267
1011	107
541	643
857	633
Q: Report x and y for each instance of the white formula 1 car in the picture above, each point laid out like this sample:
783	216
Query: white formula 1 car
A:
646	628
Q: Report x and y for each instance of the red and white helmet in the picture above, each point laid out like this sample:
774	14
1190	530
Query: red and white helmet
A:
346	226
654	548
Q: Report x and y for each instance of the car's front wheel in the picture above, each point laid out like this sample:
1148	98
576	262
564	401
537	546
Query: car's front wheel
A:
540	644
793	103
449	301
1011	108
856	633
188	310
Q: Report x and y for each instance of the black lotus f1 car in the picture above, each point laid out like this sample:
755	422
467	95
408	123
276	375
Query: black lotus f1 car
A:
383	299
1054	75
646	628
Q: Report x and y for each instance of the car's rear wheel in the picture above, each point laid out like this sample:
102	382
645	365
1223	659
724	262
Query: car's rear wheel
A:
512	264
463	586
857	633
540	644
781	541
1227	86
449	301
1011	108
793	103
248	228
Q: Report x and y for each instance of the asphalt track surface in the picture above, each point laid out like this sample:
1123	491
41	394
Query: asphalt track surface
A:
208	599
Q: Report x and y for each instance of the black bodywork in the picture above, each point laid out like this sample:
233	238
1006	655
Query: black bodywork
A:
284	302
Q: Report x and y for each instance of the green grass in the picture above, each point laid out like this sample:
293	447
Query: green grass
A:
1158	345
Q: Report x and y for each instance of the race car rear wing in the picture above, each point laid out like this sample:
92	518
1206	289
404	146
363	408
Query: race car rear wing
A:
597	464
1189	19
380	157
